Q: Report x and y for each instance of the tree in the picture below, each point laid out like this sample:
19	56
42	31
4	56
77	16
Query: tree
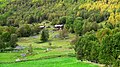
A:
30	19
27	30
86	27
78	24
2	46
75	1
110	49
5	36
62	20
35	29
89	26
85	47
69	23
44	35
20	31
24	31
13	40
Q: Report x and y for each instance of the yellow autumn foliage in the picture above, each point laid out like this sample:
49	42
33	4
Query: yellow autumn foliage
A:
101	5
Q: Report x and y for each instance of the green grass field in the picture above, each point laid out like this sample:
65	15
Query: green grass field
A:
54	62
58	48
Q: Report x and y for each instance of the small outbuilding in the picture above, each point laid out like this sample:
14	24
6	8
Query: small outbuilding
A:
59	26
41	27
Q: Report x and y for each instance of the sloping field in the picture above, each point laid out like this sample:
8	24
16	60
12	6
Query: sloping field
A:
54	62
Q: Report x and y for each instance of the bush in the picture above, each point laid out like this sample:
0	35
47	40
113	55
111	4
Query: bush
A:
89	26
69	23
78	26
62	20
24	31
5	36
2	45
13	40
104	50
110	49
84	47
44	35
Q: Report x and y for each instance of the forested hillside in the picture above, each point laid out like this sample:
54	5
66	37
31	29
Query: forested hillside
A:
96	24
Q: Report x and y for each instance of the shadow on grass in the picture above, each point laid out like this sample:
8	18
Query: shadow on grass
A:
42	42
39	42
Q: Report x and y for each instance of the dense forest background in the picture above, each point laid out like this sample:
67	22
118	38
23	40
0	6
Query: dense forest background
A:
96	24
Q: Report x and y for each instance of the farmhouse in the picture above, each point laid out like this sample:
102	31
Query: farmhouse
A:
59	26
41	27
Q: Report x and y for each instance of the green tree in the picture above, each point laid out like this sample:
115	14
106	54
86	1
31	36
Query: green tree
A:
13	40
110	49
20	31
2	45
78	24
24	31
30	19
35	29
69	23
44	35
62	20
84	47
5	36
89	26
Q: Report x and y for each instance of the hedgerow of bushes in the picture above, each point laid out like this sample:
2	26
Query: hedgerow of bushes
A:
102	47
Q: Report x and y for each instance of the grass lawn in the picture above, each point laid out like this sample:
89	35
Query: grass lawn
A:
58	48
8	57
54	62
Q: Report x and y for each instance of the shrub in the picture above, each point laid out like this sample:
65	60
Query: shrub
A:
78	26
105	50
89	26
69	23
110	49
44	35
62	20
84	47
13	40
2	45
24	31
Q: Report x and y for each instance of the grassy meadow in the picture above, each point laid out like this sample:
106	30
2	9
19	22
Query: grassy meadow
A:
54	62
61	53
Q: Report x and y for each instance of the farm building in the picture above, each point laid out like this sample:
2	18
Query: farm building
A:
41	27
59	26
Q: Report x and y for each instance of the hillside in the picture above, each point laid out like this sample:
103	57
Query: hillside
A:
21	11
91	28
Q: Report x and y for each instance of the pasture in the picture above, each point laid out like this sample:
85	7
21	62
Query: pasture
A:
54	62
60	54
